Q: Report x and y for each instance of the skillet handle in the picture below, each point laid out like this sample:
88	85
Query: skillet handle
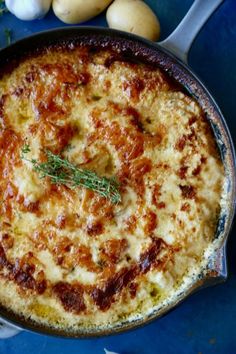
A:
7	331
180	41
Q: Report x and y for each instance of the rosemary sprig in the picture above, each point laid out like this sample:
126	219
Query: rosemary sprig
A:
61	171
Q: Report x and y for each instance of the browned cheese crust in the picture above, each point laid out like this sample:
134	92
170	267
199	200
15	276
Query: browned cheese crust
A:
71	258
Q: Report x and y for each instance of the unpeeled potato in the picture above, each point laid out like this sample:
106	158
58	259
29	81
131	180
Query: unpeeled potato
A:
134	16
77	11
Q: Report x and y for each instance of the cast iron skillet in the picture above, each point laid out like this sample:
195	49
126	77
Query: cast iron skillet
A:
179	43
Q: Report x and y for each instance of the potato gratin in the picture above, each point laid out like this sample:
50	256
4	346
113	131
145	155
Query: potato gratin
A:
69	257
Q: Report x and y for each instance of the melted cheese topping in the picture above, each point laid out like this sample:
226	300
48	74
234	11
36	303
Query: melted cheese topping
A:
70	258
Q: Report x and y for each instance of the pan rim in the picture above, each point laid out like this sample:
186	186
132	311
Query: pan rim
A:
174	67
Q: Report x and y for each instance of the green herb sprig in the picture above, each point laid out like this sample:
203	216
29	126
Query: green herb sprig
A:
61	171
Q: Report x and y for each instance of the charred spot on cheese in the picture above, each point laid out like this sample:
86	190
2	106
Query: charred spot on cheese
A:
149	256
7	241
133	289
71	297
188	191
72	252
112	250
151	222
94	228
21	272
104	297
182	172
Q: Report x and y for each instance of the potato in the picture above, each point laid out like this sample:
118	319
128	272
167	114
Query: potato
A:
134	16
76	11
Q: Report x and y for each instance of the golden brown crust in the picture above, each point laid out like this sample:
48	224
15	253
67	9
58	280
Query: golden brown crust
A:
74	248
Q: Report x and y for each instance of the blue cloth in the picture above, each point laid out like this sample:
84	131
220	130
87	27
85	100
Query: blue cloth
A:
205	322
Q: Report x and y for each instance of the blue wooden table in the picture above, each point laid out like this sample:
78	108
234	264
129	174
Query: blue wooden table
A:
206	322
